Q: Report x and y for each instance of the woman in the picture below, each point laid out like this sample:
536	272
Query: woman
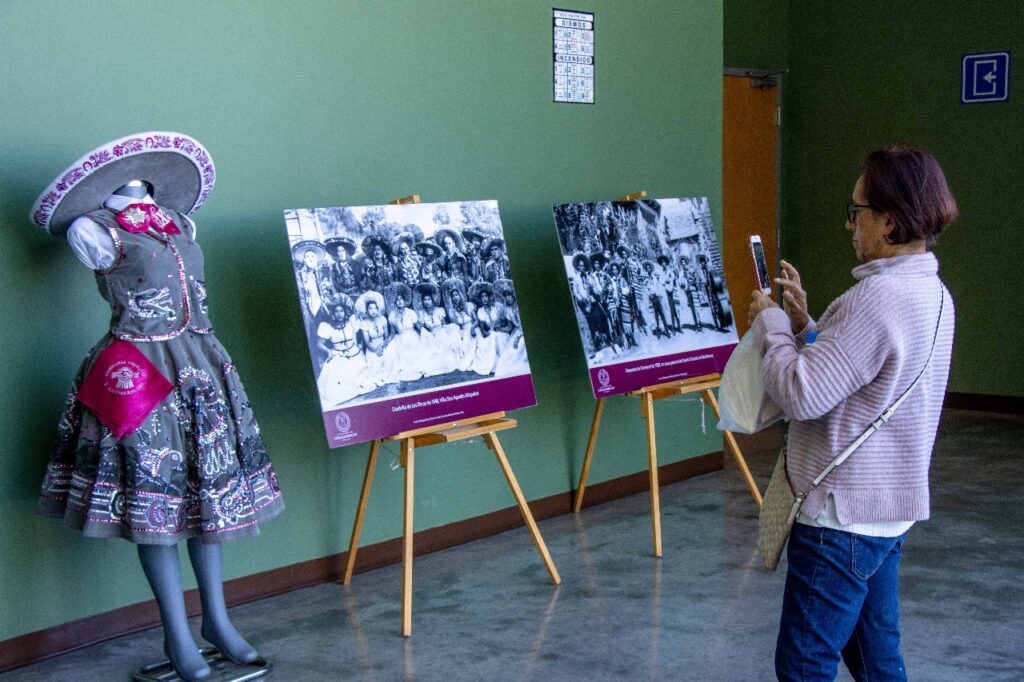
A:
438	339
342	274
512	351
430	266
407	263
462	315
834	377
375	335
406	343
379	271
487	338
344	374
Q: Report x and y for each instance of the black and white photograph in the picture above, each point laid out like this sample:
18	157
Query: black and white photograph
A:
646	278
403	299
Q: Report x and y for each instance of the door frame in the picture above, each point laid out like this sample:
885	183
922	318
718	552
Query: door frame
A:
772	78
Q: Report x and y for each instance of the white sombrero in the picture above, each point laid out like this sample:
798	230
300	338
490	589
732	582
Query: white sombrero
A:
178	169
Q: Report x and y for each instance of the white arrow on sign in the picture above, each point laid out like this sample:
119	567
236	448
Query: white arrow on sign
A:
989	77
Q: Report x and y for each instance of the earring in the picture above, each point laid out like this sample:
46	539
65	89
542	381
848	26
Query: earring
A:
888	239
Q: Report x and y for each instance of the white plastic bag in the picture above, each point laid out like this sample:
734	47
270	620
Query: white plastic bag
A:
745	406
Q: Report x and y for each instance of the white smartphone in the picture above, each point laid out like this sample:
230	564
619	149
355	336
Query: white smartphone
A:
764	282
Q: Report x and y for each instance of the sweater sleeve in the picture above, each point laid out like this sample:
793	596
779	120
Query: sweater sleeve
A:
808	381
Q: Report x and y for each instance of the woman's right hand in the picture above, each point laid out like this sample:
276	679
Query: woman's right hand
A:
794	298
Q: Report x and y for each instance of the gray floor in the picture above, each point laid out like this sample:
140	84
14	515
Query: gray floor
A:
705	611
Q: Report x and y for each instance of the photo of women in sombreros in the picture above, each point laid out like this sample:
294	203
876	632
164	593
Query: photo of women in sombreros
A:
645	278
158	443
426	309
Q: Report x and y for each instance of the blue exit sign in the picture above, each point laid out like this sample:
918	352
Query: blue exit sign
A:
986	77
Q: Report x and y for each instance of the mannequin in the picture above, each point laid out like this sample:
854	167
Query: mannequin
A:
157	443
160	562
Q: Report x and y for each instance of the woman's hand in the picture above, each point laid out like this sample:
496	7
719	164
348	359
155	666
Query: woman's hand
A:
758	303
794	298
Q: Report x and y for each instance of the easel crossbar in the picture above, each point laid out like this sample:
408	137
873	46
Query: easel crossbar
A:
648	395
486	426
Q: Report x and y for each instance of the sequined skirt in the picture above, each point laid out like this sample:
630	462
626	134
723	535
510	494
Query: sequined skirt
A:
196	466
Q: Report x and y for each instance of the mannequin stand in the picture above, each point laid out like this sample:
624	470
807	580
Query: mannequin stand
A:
486	426
647	395
224	670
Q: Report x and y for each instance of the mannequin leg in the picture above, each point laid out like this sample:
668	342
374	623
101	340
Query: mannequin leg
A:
217	628
160	564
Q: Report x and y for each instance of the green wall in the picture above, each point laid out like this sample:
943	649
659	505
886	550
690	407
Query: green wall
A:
868	74
754	35
321	104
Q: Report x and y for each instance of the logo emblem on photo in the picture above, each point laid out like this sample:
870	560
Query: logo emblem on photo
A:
604	377
342	422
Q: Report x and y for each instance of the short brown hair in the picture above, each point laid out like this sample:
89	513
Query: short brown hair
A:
908	184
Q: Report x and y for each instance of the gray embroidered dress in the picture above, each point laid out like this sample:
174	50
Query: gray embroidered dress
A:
197	465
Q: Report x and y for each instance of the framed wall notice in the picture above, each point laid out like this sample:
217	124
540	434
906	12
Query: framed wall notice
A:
573	42
410	314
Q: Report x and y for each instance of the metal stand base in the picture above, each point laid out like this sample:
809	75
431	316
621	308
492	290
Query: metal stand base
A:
224	669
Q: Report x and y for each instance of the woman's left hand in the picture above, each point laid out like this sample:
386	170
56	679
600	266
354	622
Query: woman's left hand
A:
758	303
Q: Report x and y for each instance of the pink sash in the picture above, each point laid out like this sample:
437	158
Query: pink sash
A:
123	387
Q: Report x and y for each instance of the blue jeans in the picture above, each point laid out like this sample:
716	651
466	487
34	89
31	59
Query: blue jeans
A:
841	600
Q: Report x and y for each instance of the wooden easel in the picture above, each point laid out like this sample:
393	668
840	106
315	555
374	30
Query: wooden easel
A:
487	426
648	395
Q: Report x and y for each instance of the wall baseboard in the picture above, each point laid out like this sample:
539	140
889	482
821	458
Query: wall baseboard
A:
36	646
983	402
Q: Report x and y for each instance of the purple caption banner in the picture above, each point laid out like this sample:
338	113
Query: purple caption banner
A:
384	418
636	374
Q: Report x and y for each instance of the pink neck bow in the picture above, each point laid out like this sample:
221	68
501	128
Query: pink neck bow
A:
141	217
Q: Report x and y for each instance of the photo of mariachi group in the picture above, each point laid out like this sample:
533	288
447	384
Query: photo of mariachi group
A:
400	299
645	276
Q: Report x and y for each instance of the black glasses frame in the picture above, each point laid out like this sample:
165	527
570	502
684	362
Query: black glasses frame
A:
851	211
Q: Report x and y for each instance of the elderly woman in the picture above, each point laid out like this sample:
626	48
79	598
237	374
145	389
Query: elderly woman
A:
834	377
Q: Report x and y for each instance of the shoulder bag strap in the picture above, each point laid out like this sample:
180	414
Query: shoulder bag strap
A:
887	414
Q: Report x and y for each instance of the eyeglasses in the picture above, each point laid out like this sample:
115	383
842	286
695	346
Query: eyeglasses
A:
851	211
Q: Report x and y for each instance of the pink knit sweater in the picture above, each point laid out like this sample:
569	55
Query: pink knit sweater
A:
871	344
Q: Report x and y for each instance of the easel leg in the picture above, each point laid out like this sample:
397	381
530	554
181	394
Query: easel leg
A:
709	398
591	442
407	531
652	469
364	499
492	442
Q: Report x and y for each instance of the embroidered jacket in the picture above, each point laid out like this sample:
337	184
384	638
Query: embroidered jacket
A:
156	287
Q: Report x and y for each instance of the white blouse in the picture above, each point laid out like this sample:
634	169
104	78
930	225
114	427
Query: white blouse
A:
92	243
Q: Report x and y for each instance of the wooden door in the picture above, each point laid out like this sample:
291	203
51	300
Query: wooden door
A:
749	185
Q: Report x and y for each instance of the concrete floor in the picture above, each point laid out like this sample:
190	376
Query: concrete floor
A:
705	611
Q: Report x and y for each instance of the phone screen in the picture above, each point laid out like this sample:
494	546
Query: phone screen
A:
762	266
